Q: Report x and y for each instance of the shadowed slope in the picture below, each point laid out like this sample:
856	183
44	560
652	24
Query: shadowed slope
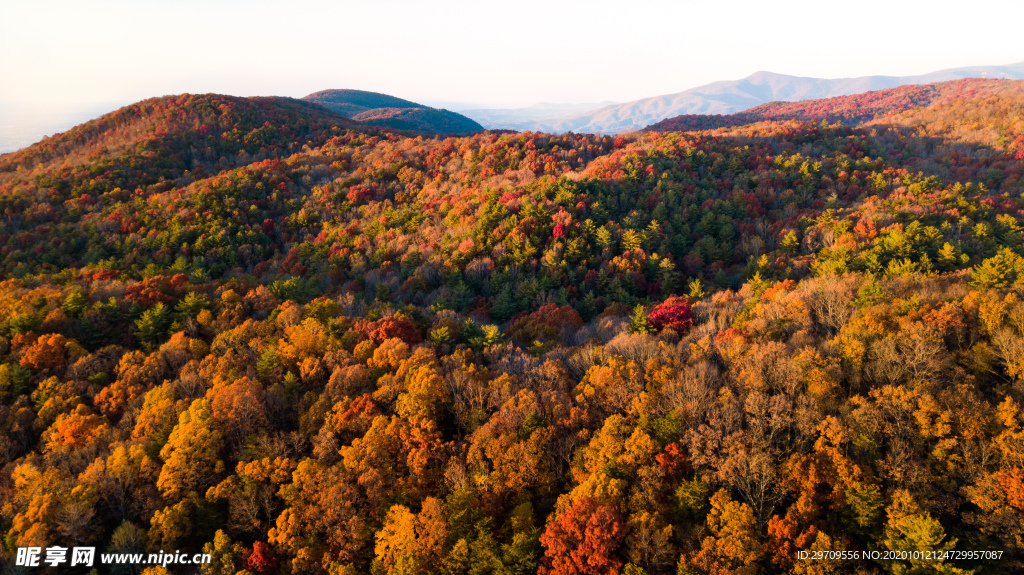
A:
391	112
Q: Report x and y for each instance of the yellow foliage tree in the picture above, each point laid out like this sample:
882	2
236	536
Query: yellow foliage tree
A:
191	454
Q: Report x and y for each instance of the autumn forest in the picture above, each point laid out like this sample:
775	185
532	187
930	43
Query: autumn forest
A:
259	329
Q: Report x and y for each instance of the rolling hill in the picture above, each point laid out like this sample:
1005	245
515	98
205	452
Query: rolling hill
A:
851	110
728	97
171	139
391	112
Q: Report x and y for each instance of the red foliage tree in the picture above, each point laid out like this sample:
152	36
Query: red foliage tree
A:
389	327
46	353
150	291
673	460
583	541
1012	483
672	313
261	559
548	322
22	340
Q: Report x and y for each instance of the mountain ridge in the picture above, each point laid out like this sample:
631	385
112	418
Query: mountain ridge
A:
731	96
851	110
171	140
387	111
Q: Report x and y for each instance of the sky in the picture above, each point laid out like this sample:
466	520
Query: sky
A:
60	57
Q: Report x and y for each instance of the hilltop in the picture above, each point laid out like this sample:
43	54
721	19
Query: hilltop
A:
171	140
391	112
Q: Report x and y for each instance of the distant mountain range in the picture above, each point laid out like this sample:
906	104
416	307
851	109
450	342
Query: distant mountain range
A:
391	112
726	97
852	110
691	109
529	118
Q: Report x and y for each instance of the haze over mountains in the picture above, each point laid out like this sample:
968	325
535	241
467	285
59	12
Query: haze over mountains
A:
725	97
22	124
531	116
19	128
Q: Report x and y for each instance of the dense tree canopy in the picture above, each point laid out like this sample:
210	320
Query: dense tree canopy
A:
252	327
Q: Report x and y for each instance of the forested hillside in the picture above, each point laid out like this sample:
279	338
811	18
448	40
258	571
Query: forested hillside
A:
304	345
390	112
734	96
850	110
165	142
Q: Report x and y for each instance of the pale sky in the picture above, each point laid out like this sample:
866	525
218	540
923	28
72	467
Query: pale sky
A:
57	53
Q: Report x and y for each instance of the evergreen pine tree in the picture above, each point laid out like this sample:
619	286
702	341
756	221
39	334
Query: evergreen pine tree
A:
75	304
441	335
587	307
639	323
92	338
492	335
696	289
267	363
870	293
790	243
152	326
651	235
916	532
721	279
191	305
995	272
948	257
631	240
669	277
504	306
